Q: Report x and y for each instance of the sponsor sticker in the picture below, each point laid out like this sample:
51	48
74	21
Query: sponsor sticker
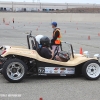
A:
62	68
50	71
62	72
70	69
56	68
55	71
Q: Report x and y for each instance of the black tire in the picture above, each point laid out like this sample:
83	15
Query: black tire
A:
10	61
86	69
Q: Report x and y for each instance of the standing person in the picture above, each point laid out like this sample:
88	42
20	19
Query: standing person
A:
3	20
56	40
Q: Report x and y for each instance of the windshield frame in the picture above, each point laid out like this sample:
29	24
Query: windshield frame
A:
70	45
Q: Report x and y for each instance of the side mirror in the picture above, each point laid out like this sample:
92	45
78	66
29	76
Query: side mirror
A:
97	56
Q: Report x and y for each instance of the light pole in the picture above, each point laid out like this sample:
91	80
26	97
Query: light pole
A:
12	6
40	5
66	7
94	7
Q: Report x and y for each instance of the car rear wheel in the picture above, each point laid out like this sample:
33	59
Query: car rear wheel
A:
91	70
14	70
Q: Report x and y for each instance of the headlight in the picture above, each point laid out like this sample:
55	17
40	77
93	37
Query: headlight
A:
97	56
86	54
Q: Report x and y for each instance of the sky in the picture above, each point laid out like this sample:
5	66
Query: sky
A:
59	1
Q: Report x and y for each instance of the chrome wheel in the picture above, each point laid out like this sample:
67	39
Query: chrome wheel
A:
15	71
93	70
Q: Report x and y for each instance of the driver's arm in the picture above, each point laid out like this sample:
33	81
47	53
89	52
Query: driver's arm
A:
52	53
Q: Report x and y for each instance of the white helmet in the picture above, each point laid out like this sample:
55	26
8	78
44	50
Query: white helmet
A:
38	37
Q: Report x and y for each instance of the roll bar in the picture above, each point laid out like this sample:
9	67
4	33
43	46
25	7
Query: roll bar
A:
33	40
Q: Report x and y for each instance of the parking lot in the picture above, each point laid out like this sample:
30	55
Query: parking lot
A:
81	34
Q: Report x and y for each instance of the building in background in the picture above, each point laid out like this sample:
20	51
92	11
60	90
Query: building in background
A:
47	7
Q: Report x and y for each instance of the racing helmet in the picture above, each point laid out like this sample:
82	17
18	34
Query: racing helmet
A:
45	41
54	24
38	37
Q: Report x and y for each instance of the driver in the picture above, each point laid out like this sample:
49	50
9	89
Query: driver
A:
45	51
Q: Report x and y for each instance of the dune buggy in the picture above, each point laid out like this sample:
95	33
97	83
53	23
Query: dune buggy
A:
17	62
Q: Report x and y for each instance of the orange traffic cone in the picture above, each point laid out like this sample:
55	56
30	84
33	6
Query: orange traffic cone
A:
88	37
98	34
41	99
13	20
81	51
6	23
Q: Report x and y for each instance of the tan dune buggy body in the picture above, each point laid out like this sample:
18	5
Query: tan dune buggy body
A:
17	62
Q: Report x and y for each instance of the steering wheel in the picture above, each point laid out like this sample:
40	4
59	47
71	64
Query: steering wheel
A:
55	52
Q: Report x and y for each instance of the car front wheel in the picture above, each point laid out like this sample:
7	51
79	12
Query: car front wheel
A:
91	70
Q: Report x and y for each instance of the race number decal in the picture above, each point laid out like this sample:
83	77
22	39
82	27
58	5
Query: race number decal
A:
41	70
